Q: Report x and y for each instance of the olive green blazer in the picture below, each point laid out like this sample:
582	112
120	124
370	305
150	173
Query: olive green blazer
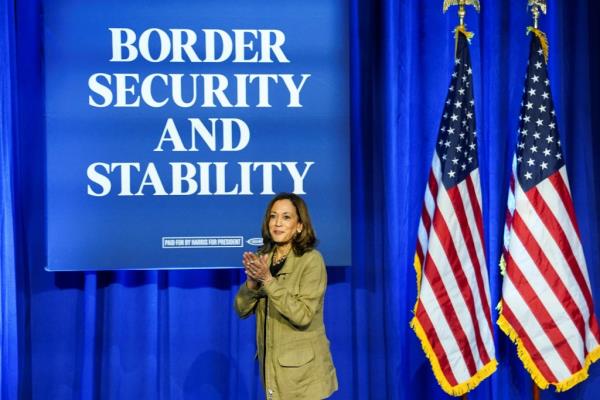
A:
293	350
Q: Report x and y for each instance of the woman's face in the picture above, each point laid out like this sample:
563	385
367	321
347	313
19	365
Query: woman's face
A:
283	222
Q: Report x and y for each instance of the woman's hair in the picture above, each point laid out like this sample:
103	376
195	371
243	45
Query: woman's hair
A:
302	242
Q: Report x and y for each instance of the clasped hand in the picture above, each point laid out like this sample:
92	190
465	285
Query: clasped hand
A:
256	267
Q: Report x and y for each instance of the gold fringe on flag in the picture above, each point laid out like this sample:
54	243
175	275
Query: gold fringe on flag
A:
502	265
418	270
530	366
543	40
457	390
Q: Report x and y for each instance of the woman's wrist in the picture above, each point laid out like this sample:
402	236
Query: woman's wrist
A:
252	284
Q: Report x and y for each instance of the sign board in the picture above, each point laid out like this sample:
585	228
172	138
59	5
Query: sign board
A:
171	124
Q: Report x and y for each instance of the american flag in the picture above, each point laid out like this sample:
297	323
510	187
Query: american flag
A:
452	314
546	305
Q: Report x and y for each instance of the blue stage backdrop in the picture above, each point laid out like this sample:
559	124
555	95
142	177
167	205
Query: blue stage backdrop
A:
170	124
173	335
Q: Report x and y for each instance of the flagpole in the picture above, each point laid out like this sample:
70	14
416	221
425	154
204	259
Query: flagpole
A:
536	7
455	170
461	24
536	391
551	328
461	28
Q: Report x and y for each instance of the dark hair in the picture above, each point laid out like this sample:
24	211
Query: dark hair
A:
301	243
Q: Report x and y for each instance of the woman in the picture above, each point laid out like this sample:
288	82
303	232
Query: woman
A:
285	288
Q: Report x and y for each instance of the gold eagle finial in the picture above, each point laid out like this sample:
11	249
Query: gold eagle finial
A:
461	7
461	3
537	6
539	3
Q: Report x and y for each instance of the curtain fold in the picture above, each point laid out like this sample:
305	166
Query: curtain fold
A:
174	335
9	324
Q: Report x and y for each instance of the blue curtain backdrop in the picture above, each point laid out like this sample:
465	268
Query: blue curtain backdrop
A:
174	335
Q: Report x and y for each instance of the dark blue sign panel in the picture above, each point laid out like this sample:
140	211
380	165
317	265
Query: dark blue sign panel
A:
171	124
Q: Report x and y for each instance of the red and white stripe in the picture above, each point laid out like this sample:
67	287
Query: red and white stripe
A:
453	307
546	296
